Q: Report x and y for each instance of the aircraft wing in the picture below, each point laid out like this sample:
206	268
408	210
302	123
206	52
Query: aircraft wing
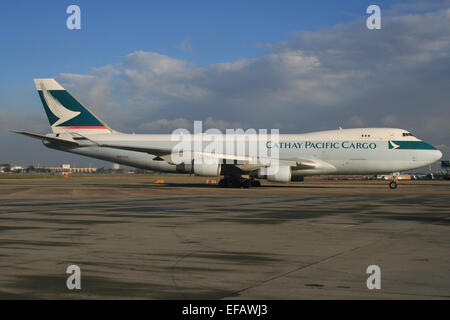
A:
165	154
154	151
296	164
49	139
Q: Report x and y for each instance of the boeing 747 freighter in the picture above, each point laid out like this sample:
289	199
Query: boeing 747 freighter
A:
362	151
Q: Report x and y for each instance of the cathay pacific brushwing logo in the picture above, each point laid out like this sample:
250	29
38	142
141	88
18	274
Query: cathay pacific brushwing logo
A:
63	114
393	145
410	145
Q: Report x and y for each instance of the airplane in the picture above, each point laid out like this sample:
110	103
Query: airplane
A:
356	151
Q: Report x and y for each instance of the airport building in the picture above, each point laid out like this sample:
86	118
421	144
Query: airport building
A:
69	169
6	168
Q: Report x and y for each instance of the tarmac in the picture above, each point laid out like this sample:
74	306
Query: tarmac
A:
184	239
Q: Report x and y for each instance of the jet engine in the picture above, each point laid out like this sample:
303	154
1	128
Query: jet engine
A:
275	173
207	167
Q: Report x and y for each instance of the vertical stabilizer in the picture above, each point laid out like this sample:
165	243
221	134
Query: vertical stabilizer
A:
64	112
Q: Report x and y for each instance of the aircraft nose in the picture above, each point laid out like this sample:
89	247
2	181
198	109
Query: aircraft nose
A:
438	155
433	154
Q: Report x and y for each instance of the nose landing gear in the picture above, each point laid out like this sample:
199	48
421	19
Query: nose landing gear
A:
393	184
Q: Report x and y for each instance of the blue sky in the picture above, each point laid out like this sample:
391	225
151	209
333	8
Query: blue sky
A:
153	66
36	42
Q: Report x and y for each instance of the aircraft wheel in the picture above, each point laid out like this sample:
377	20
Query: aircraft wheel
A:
256	183
235	183
393	184
223	183
245	183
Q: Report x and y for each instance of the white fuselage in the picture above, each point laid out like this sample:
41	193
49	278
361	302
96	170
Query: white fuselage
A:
345	151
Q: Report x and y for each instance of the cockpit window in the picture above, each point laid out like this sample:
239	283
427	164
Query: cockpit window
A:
407	134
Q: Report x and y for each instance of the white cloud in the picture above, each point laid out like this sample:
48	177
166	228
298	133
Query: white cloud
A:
164	125
318	80
345	75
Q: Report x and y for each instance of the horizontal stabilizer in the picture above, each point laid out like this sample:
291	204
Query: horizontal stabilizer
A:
49	139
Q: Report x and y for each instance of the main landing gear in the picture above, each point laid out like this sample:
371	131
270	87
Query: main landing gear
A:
238	182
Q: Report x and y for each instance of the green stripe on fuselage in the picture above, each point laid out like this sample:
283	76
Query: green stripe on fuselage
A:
410	145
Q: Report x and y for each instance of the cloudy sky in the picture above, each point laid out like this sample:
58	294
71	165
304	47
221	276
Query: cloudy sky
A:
155	66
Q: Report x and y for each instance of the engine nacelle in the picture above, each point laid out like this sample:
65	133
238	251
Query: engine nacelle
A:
275	173
297	178
185	167
207	167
